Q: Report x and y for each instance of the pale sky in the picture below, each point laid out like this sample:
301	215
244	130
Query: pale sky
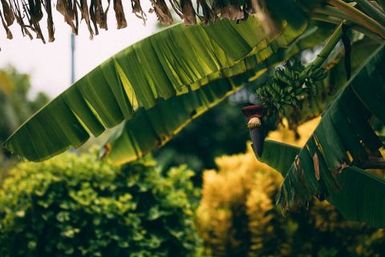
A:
49	64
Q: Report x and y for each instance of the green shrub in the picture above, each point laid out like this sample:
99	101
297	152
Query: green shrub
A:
80	206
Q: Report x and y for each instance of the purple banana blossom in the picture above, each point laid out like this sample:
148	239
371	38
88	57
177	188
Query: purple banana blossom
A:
254	114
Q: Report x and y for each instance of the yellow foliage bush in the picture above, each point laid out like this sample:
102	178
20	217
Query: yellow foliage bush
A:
237	215
225	199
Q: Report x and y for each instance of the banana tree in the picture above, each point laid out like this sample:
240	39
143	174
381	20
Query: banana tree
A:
151	90
339	160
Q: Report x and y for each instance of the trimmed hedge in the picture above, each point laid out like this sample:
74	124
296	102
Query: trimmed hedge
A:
79	206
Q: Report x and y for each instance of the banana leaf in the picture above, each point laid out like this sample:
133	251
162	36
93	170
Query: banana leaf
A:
150	129
130	141
176	61
279	156
337	159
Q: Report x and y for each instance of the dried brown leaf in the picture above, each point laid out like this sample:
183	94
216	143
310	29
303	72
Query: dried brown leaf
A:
86	16
188	12
8	13
162	12
137	10
19	19
68	9
50	25
9	33
99	14
119	14
33	12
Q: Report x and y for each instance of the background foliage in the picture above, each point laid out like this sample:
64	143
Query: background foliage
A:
16	104
237	215
220	131
78	206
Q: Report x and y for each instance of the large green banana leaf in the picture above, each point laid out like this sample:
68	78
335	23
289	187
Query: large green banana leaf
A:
334	164
173	62
131	141
149	129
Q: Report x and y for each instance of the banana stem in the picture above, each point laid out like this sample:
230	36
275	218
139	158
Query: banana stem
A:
359	17
371	10
325	52
332	12
320	16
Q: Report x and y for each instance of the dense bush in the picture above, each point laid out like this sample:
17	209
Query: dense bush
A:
80	206
237	217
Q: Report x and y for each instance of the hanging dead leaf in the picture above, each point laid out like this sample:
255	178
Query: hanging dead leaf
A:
162	12
9	33
208	13
8	13
100	15
68	9
86	16
34	13
19	19
137	10
119	14
177	7
50	26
